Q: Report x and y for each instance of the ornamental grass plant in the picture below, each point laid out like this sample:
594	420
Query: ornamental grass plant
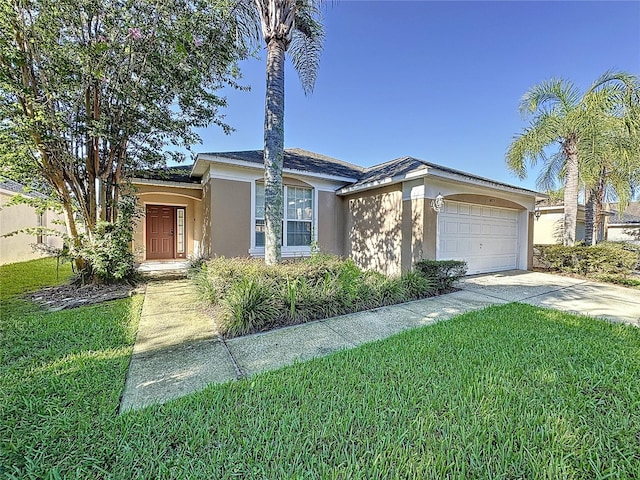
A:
250	296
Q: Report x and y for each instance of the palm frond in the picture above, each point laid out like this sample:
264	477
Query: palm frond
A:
307	43
552	95
529	147
551	176
247	24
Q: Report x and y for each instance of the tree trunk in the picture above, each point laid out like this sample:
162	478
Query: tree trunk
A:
571	192
591	197
274	151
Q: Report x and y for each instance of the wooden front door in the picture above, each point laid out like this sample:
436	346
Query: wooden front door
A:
160	221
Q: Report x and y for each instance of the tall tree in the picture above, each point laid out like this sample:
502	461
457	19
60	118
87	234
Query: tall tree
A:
610	166
90	91
293	26
561	114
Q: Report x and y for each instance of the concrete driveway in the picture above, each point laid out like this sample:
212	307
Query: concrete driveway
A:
614	303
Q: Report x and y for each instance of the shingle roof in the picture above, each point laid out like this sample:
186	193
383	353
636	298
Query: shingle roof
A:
404	165
181	173
306	161
301	160
390	169
630	215
12	186
16	187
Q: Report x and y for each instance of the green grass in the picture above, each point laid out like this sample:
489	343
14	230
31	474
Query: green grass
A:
18	278
508	392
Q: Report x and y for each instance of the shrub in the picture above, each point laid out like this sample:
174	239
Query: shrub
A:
602	259
253	296
249	306
109	252
445	273
418	285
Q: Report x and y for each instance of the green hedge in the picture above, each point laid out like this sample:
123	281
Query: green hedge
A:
251	296
445	272
607	258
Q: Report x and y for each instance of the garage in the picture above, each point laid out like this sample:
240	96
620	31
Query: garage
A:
485	237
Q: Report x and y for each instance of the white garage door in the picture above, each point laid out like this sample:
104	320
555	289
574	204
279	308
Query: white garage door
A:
485	237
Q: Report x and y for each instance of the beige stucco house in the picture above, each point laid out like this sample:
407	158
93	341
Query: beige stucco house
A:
385	217
548	227
614	226
624	226
20	247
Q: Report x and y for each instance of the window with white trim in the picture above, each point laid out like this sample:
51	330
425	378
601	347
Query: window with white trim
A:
298	216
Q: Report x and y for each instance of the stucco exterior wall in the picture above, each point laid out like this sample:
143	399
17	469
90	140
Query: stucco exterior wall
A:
230	217
489	201
373	233
548	229
430	231
623	233
330	223
18	248
189	198
412	232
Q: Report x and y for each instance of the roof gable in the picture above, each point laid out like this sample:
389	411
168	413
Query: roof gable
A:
399	168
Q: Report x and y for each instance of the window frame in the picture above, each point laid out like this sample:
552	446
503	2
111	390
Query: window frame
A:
287	251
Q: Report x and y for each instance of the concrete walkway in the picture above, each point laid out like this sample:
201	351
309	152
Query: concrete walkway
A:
178	351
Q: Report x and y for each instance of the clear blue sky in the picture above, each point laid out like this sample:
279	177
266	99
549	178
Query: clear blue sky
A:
439	81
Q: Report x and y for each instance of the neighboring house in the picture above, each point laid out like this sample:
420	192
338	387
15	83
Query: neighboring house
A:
625	226
549	225
381	216
19	247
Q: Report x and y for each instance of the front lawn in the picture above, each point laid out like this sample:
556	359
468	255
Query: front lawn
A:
508	392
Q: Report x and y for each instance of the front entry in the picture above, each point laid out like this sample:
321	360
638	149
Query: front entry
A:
165	236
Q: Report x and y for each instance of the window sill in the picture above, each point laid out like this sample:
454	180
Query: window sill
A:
287	252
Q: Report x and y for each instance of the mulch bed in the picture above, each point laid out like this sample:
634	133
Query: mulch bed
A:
72	296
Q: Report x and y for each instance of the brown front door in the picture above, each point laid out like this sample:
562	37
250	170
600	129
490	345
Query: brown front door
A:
160	232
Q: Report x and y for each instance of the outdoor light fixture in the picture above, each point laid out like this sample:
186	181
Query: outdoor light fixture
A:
437	203
537	213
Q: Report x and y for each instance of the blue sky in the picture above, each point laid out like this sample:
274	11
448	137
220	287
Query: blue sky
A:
439	81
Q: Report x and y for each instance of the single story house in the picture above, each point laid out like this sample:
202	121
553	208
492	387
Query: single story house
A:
624	226
20	247
549	225
384	217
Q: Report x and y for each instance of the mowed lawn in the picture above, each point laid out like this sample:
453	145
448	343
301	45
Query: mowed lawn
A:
508	392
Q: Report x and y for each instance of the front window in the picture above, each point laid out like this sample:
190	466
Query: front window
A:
298	216
260	215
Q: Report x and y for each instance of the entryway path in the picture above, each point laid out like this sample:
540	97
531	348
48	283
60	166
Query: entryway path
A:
178	351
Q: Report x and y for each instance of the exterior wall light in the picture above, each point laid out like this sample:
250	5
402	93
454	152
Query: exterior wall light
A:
537	213
437	203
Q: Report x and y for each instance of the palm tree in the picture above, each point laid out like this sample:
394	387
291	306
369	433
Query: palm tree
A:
610	157
294	26
562	115
555	106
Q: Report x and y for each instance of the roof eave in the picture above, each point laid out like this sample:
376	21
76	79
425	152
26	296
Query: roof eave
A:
460	177
434	171
202	168
165	183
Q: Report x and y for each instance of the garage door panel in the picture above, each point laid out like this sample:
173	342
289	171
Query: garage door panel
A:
463	209
464	228
485	237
